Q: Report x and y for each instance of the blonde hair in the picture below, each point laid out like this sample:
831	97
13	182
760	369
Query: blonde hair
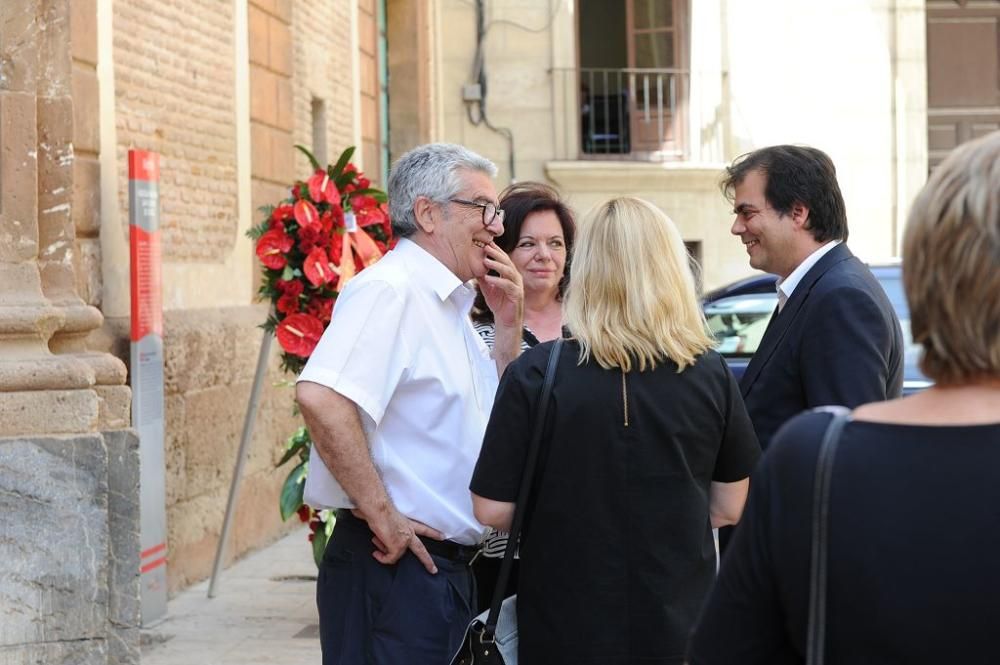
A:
951	265
631	295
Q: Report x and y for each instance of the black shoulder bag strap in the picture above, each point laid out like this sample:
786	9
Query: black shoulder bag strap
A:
816	637
522	493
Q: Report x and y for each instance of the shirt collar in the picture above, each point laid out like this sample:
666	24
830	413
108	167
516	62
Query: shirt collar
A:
787	285
433	273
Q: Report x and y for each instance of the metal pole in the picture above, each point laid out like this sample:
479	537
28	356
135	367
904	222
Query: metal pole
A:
241	457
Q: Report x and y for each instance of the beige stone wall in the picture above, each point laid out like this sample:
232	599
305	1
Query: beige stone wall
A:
86	203
689	194
210	361
520	82
847	78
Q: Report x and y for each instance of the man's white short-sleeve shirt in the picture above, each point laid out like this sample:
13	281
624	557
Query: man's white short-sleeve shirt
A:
401	346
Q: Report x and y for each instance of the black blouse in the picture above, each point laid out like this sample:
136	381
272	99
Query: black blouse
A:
617	552
912	557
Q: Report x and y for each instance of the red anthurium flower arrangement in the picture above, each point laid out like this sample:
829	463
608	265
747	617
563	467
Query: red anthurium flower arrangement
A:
333	225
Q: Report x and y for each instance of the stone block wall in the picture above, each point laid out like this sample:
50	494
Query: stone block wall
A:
69	540
210	357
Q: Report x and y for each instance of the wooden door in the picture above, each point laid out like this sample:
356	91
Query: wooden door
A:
656	50
963	73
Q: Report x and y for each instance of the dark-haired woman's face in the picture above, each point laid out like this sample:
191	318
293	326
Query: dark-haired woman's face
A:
540	252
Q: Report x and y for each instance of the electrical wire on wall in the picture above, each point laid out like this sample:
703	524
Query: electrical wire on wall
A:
476	95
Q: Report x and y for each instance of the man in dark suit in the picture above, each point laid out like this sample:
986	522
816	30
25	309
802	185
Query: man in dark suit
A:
834	338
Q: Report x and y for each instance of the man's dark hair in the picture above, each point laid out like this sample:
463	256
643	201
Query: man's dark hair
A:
796	175
518	202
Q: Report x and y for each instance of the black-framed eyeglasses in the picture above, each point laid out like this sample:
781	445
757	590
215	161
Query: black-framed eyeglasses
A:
491	212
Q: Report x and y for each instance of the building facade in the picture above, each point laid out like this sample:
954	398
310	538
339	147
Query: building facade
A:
598	97
222	91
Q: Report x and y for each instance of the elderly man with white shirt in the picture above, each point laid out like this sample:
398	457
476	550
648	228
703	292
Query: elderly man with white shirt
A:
396	396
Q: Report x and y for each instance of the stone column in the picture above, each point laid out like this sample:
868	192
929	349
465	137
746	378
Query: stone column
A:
49	382
68	485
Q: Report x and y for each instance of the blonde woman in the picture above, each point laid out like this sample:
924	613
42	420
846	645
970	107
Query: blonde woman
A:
647	447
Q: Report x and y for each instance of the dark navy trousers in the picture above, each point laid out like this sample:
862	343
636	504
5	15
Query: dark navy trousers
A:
374	614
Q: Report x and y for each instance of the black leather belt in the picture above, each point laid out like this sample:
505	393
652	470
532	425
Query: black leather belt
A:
449	549
446	549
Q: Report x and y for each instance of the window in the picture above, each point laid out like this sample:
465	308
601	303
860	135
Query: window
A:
738	322
633	81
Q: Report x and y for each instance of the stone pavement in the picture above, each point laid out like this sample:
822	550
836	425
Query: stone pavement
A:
264	611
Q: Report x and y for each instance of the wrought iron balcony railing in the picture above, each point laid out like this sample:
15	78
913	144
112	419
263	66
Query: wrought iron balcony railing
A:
628	113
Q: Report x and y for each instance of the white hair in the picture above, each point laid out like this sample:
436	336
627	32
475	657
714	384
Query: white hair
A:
429	170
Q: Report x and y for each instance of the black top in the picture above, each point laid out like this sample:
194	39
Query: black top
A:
836	341
617	552
912	558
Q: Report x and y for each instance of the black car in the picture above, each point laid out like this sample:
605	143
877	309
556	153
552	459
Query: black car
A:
738	314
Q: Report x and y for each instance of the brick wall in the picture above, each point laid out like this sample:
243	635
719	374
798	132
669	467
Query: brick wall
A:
174	72
322	57
174	87
368	56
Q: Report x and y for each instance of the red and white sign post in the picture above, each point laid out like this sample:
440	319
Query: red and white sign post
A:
147	375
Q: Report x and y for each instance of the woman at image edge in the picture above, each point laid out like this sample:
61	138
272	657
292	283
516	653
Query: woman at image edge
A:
647	446
915	491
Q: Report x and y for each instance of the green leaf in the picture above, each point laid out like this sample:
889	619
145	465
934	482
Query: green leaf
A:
338	168
258	230
373	192
312	160
295	443
288	274
291	492
320	539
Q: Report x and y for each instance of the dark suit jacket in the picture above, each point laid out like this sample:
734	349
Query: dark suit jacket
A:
836	341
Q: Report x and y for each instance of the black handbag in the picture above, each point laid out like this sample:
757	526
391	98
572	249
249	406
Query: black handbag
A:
816	635
491	638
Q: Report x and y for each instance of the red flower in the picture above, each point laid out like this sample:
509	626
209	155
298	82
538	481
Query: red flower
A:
309	238
272	247
318	268
323	188
304	512
283	212
321	307
362	203
293	286
288	304
299	334
305	214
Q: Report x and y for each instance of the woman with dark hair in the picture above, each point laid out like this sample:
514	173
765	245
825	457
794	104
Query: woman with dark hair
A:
538	236
911	491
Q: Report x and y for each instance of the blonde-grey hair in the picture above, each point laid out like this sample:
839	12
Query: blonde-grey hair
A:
631	297
951	265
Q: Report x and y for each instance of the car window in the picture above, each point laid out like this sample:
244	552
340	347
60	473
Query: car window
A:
893	286
738	322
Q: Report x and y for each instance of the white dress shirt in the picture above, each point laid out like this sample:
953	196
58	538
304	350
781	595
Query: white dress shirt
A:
787	285
402	347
